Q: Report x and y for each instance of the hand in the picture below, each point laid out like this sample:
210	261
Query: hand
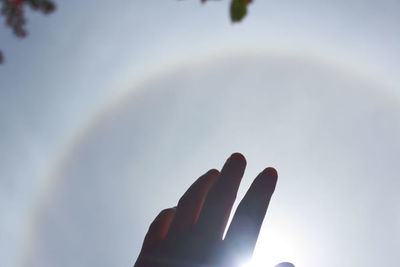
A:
191	233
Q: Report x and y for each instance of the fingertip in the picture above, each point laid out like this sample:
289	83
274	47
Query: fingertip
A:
165	213
238	157
285	264
271	172
269	177
213	172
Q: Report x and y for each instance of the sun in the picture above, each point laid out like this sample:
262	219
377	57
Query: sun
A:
277	244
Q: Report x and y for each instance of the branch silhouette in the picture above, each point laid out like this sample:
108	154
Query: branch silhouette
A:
14	13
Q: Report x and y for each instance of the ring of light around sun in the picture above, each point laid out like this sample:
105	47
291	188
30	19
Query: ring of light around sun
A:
331	134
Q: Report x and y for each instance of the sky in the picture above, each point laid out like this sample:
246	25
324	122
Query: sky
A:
109	111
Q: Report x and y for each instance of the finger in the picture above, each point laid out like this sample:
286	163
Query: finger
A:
243	231
158	229
285	264
218	204
190	204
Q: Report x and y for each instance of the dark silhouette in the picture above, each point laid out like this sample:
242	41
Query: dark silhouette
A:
191	233
13	10
238	9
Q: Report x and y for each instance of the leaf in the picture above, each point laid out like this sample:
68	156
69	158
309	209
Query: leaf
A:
239	9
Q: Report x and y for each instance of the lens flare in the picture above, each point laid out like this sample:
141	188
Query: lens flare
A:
277	244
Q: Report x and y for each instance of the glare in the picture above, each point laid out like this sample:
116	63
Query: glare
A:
276	244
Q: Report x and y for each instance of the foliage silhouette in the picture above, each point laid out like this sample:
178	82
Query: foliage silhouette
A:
238	9
13	10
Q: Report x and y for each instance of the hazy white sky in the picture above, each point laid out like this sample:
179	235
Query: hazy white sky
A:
105	100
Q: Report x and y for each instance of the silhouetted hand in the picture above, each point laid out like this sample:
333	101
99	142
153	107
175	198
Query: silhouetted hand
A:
191	233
